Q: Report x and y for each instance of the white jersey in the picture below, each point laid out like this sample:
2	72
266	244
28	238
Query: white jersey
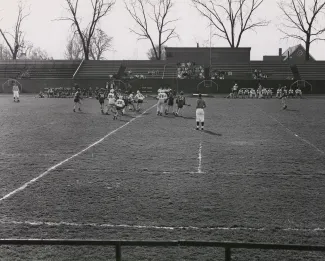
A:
253	91
139	96
120	103
162	96
131	98
111	98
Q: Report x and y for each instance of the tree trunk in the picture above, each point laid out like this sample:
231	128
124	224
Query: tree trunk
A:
307	56
86	52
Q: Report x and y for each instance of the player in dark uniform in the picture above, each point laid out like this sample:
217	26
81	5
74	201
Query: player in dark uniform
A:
283	97
101	99
170	102
180	103
77	100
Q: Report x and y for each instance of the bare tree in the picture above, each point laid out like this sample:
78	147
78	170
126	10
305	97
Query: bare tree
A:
5	54
74	48
157	11
100	43
37	54
231	18
152	56
100	9
302	22
18	35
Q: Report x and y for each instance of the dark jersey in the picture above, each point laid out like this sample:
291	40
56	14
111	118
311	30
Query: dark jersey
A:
180	101
77	96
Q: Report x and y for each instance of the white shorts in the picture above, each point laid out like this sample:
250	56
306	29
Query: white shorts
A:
16	94
199	115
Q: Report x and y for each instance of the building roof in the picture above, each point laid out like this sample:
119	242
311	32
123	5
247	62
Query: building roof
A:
292	50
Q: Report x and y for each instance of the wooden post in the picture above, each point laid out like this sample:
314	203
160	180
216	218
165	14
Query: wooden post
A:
118	252
227	254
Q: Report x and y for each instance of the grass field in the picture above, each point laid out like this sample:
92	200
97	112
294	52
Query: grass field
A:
257	174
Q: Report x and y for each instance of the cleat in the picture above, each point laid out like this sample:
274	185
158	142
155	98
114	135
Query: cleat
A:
197	128
285	107
74	110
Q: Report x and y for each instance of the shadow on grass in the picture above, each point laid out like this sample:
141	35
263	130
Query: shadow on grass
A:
188	118
212	133
291	110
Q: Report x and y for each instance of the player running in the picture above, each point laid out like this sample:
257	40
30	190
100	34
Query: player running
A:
15	91
119	105
77	100
101	99
111	102
200	106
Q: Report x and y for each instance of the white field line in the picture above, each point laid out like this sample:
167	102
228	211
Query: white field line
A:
298	137
70	158
293	133
108	225
200	159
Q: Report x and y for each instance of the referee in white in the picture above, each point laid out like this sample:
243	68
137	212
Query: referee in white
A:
200	106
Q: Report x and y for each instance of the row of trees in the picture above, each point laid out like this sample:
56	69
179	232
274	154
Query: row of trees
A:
231	19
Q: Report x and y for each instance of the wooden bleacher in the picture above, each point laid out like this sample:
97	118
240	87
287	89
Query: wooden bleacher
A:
28	69
312	70
103	69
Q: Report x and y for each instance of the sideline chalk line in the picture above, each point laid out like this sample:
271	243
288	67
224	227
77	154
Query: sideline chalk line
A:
109	225
293	133
70	158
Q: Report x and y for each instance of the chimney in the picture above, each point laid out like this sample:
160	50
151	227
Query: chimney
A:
280	52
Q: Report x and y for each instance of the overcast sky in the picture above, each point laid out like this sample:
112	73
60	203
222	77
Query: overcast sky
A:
50	35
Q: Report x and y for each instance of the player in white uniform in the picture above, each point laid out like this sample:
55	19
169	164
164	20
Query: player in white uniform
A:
200	106
111	102
269	93
235	90
241	93
291	93
298	93
264	93
15	91
162	97
246	93
119	104
252	93
139	100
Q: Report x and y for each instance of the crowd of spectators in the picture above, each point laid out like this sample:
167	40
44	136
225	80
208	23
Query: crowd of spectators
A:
258	75
219	75
189	70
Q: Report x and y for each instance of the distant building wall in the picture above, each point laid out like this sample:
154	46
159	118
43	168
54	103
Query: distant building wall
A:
202	55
